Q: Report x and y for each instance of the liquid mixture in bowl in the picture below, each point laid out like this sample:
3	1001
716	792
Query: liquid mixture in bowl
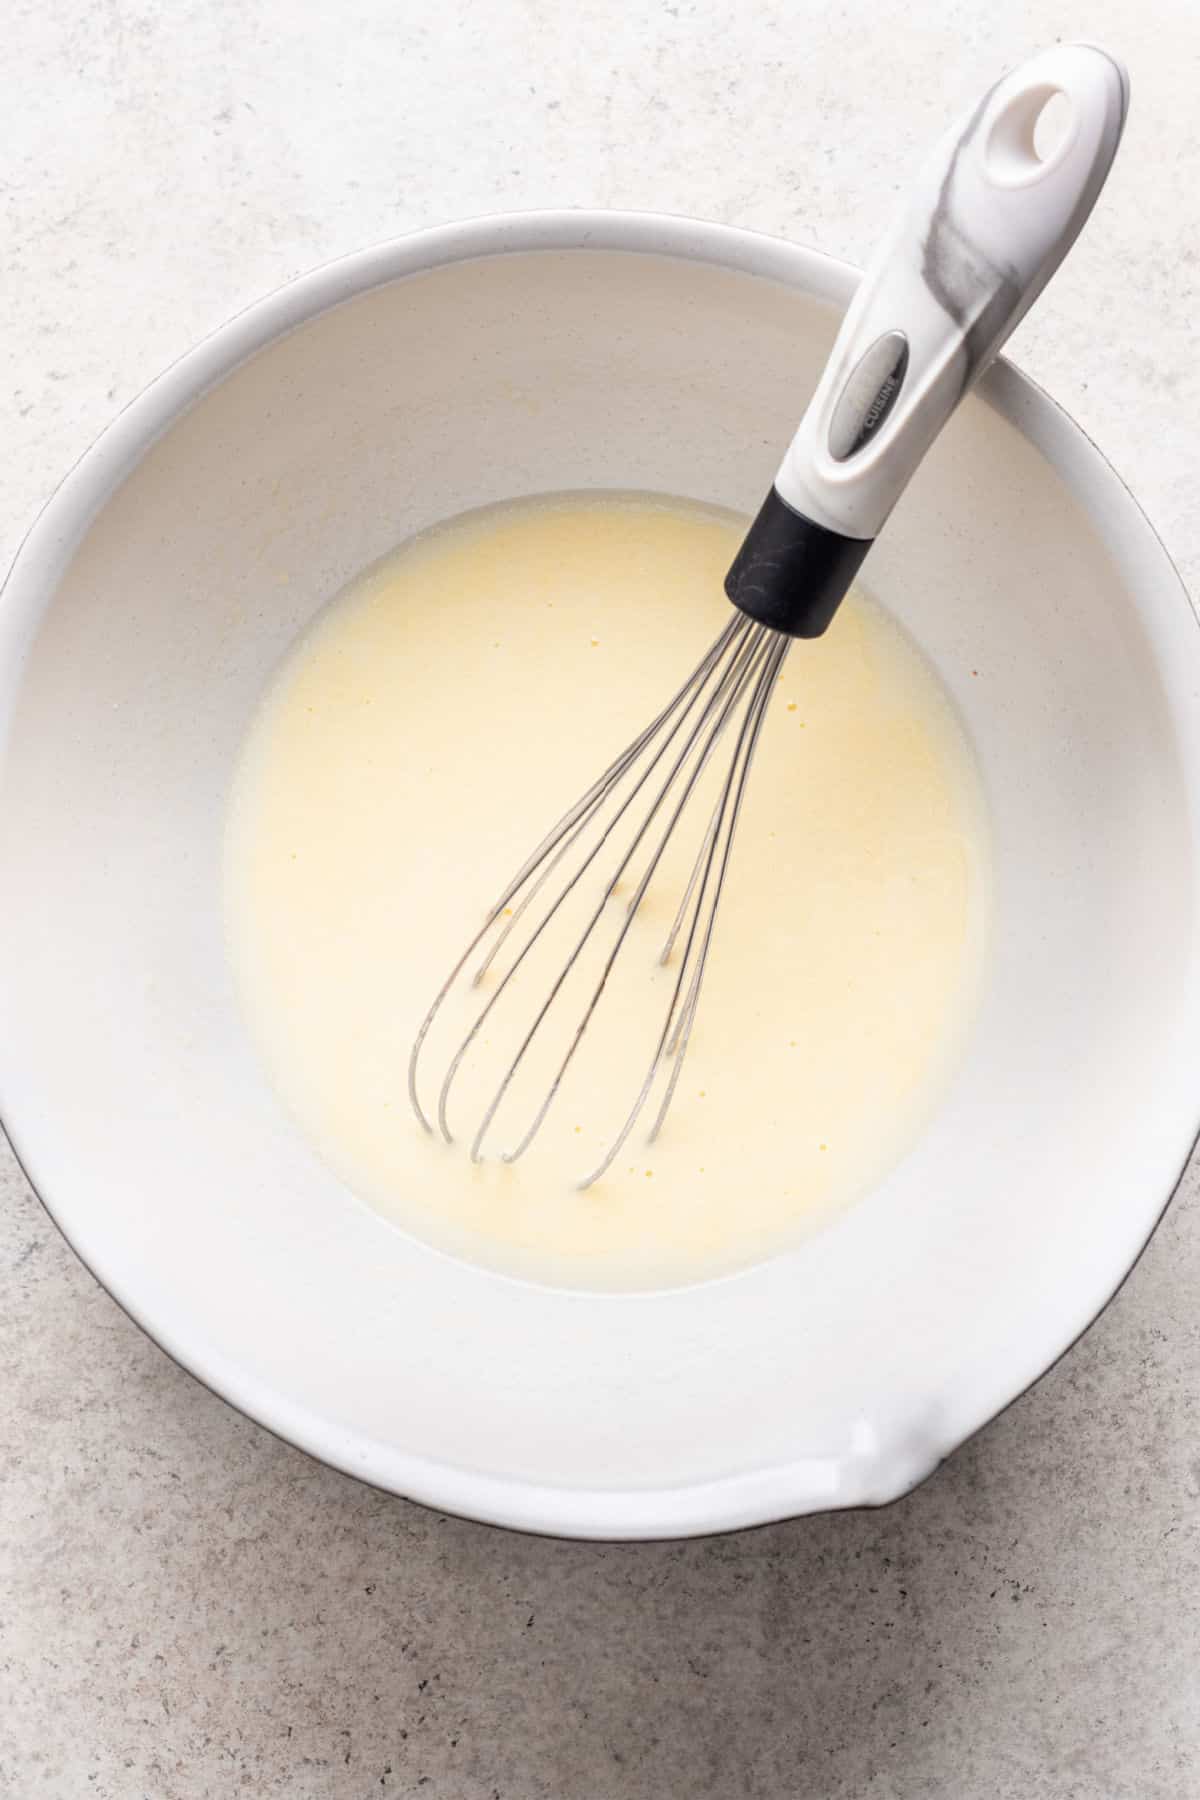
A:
419	742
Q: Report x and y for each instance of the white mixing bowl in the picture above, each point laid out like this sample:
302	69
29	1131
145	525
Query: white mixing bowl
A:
145	612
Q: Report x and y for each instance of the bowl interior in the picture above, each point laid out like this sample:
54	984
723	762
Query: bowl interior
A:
159	597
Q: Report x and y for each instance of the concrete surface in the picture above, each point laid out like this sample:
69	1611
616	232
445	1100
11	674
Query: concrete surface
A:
189	1608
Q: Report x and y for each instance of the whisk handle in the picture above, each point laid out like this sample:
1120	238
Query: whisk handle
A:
990	217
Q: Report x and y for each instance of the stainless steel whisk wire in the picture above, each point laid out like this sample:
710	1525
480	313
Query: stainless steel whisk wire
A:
735	676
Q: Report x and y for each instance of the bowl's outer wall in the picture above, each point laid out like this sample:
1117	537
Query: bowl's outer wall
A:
153	600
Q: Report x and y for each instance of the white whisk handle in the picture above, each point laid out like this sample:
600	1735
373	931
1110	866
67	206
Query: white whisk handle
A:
990	217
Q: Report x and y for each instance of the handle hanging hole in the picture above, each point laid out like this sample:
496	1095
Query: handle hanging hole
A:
1029	135
1051	126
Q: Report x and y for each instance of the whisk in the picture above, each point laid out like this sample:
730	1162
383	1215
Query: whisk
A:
991	215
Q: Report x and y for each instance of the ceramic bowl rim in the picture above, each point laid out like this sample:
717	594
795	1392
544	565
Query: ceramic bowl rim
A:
49	546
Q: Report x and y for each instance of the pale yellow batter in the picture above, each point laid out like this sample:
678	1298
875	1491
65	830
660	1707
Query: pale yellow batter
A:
419	742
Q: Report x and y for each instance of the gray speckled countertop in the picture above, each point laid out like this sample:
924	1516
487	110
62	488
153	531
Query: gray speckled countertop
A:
189	1608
